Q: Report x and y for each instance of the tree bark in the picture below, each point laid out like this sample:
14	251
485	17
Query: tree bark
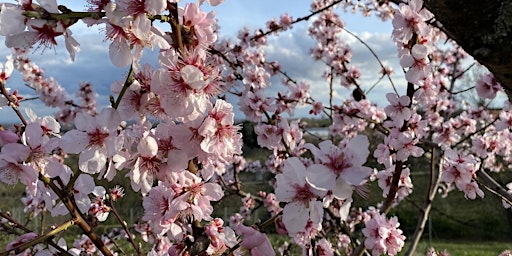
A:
483	29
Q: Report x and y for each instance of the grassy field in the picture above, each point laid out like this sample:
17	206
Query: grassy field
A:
464	248
453	247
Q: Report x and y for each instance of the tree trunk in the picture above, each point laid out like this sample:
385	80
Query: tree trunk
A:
483	29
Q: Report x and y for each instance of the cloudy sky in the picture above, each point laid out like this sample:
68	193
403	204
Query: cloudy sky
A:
290	49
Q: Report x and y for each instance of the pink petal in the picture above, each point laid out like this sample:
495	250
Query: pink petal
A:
356	175
342	190
74	142
321	177
295	217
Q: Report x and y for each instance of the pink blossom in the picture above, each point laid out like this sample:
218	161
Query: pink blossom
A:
405	146
410	18
324	248
95	139
487	86
383	154
203	24
256	242
460	169
222	238
292	135
221	138
505	253
272	204
147	165
405	185
98	208
383	236
12	20
471	190
178	98
254	103
83	245
417	62
157	207
505	121
317	108
6	70
291	187
256	77
398	110
13	167
445	135
211	2
7	136
269	136
27	237
194	196
339	166
172	142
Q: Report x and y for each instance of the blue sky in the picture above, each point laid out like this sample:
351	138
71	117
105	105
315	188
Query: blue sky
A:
290	49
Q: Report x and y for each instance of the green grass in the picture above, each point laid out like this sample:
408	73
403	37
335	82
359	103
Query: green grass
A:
454	248
463	248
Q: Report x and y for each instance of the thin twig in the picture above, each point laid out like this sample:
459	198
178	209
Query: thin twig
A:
435	178
493	186
372	52
40	239
304	18
127	83
125	227
12	103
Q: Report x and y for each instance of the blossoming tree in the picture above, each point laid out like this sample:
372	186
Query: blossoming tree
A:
170	131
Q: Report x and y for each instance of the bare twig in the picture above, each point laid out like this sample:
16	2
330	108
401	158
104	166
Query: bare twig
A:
125	227
435	178
127	83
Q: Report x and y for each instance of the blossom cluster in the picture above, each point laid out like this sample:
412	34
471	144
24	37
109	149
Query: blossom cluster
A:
170	131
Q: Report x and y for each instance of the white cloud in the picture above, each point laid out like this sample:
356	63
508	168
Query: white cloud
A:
290	48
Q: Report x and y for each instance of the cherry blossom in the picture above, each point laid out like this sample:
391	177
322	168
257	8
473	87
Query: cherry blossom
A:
6	70
211	2
398	109
13	167
221	137
487	86
405	185
222	238
410	18
417	62
11	19
201	23
146	166
405	146
383	236
339	167
257	243
95	139
194	196
171	131
21	240
303	205
157	207
98	207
